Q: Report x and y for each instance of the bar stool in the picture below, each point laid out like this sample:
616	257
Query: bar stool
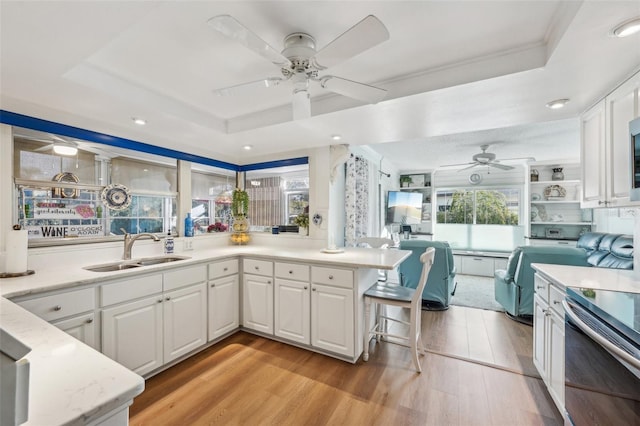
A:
381	294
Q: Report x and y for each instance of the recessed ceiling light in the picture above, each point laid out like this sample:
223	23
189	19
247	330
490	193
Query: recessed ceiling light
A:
139	121
247	147
336	137
627	28
558	103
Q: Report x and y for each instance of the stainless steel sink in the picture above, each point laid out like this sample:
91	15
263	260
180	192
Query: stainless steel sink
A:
156	260
128	264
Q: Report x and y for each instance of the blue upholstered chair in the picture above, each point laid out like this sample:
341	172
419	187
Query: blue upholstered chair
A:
441	283
514	286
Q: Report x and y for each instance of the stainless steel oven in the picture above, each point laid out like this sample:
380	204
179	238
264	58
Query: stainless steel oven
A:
602	357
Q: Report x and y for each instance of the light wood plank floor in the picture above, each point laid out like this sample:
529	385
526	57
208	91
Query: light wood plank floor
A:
250	380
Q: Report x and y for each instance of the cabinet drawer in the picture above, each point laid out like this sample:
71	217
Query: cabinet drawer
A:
131	289
184	276
292	271
541	287
331	276
476	265
223	268
257	267
556	296
61	305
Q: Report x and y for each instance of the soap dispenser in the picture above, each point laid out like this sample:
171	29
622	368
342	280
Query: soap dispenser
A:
188	226
168	243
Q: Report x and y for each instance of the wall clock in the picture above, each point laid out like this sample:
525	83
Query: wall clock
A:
475	179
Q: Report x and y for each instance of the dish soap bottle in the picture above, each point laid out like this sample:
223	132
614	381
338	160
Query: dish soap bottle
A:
168	243
188	226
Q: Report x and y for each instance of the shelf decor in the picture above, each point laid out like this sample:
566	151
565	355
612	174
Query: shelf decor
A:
239	210
554	192
557	174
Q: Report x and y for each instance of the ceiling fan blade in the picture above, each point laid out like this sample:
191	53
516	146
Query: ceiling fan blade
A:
362	36
353	89
230	27
470	167
500	166
249	88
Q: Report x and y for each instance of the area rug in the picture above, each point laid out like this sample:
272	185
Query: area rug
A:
475	292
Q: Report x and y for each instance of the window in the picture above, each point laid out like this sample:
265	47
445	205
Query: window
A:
479	219
481	206
211	193
59	197
277	195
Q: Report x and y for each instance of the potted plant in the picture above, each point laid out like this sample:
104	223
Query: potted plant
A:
302	221
239	202
405	181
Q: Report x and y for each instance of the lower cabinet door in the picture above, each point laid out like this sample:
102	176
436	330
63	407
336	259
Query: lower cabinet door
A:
185	320
132	334
292	306
556	357
540	309
332	319
82	327
224	306
257	303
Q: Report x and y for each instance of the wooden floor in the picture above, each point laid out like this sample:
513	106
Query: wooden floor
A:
250	380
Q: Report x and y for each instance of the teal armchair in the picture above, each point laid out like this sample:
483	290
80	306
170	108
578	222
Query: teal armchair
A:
441	282
514	286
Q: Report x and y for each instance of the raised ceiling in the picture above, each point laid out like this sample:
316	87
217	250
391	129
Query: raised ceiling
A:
457	74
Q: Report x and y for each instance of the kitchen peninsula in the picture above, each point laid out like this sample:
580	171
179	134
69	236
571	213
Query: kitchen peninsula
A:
324	278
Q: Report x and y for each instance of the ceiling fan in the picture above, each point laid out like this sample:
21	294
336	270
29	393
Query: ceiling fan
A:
484	158
300	62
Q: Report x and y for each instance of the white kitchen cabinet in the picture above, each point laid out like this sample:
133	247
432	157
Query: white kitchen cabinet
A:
132	334
184	320
548	337
606	148
257	295
292	302
169	321
332	310
224	298
71	311
82	327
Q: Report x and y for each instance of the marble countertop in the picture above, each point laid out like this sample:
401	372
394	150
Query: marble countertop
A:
69	382
66	275
594	278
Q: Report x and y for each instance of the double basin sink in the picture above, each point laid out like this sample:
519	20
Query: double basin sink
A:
136	263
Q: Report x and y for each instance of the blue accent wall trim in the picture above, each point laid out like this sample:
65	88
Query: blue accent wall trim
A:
14	119
272	164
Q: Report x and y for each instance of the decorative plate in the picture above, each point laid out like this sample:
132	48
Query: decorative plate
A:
65	177
536	197
556	192
116	196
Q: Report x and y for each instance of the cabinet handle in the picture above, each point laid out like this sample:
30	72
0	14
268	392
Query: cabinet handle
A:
225	269
160	301
168	298
556	302
257	268
313	289
330	277
269	282
478	259
291	272
213	285
57	308
90	320
539	287
563	242
305	287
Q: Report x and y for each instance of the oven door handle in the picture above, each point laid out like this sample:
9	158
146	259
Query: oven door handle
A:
613	349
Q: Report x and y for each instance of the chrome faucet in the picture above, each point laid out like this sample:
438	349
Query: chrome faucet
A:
129	240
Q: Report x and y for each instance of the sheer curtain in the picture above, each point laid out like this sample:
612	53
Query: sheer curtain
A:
356	199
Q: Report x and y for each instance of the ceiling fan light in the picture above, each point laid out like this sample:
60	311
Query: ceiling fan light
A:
301	105
65	149
627	28
557	104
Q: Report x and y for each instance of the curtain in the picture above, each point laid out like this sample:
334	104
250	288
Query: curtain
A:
356	200
265	201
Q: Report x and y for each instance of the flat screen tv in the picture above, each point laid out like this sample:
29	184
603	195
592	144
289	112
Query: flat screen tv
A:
404	207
